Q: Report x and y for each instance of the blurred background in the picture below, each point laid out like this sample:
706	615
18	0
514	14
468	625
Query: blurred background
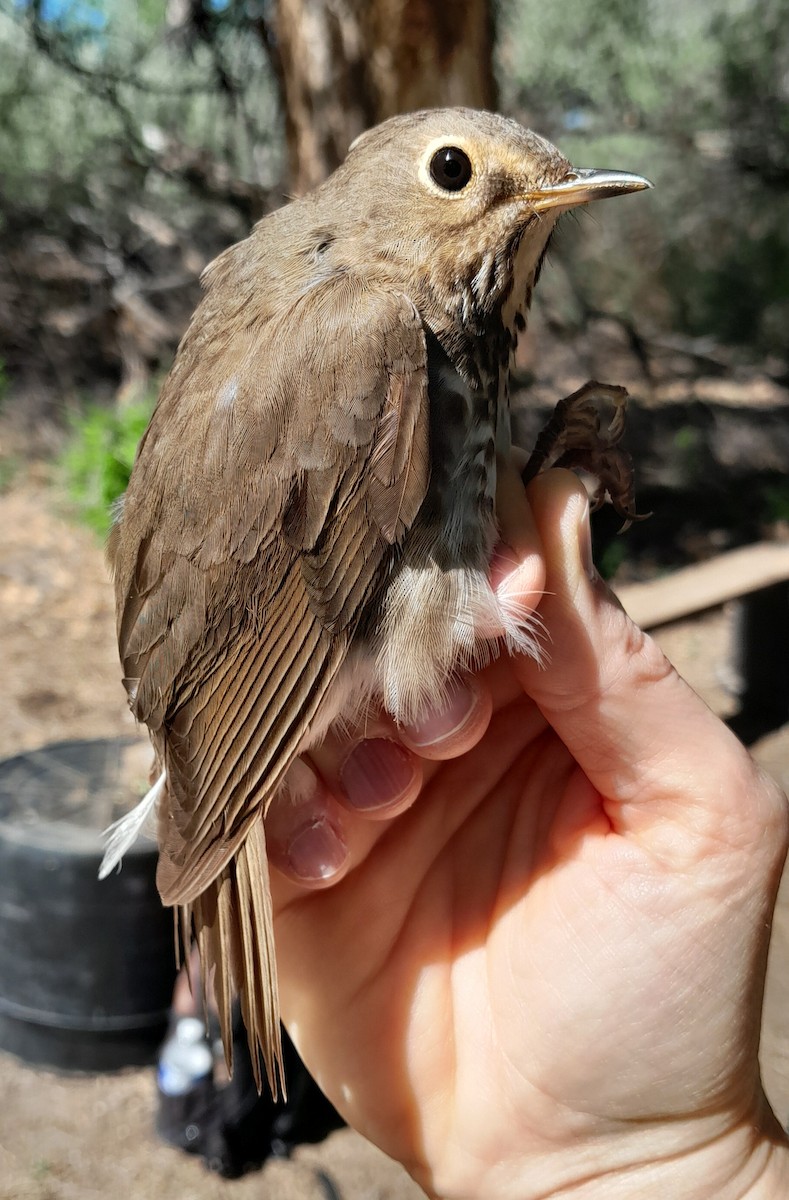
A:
137	140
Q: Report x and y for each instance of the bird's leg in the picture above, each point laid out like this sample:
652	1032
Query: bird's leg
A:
572	437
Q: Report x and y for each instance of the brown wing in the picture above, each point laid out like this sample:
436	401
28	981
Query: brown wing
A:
269	491
280	469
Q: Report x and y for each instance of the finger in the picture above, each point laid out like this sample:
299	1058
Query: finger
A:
518	564
369	770
453	727
306	836
664	764
318	823
517	526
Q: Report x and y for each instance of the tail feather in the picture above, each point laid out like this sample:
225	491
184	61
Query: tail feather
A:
259	992
233	925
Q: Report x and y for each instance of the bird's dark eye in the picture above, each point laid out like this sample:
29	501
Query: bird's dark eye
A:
450	168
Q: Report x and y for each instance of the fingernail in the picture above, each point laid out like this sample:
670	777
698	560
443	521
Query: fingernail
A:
316	851
441	724
376	773
585	544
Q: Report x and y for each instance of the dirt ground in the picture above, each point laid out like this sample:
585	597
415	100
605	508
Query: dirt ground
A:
78	1138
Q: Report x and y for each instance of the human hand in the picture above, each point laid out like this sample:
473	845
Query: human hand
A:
523	949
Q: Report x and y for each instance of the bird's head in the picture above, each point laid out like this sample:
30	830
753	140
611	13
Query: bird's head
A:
464	200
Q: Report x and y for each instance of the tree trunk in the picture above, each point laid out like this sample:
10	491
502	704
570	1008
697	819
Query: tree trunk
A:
347	64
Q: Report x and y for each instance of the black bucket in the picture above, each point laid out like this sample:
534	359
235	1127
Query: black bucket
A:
86	967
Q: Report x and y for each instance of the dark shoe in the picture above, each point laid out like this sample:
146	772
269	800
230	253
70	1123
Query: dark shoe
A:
231	1127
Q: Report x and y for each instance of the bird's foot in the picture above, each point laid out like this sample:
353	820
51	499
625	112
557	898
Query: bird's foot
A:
573	437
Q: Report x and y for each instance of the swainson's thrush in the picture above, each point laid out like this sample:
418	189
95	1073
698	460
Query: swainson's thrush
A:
311	517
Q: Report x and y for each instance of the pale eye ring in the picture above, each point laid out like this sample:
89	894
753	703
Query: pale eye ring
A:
450	168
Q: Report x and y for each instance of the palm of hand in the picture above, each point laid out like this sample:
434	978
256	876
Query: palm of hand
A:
540	957
501	931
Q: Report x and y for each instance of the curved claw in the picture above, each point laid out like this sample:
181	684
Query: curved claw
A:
572	438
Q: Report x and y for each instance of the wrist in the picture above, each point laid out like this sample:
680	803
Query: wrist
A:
703	1159
743	1169
748	1162
770	1164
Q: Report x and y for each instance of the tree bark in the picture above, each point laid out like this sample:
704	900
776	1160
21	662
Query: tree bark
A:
346	64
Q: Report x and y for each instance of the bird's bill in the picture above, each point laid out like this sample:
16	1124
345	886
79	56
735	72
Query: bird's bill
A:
585	184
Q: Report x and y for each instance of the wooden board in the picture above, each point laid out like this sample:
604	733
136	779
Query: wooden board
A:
705	585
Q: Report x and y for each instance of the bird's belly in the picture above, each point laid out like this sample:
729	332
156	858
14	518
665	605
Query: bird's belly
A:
436	625
436	614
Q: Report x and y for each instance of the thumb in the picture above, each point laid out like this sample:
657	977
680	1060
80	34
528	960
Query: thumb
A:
668	771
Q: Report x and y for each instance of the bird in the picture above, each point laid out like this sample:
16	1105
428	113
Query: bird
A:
310	518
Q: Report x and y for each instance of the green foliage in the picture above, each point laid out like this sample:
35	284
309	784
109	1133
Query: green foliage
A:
610	559
80	104
611	63
693	95
9	468
41	1169
686	440
775	500
754	46
9	464
97	460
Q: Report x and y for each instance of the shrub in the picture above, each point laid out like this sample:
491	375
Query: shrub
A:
99	456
